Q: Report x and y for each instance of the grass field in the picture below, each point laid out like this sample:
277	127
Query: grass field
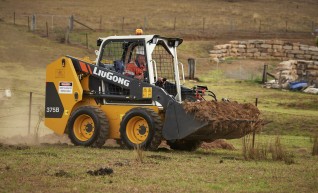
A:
63	168
58	168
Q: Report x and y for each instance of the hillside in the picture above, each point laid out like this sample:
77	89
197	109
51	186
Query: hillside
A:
24	57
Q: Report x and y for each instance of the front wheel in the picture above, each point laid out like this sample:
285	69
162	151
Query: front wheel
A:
143	127
88	126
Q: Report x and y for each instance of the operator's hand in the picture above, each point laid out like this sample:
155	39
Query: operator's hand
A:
161	81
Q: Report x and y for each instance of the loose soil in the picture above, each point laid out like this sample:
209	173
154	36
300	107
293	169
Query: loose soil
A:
100	172
218	144
227	120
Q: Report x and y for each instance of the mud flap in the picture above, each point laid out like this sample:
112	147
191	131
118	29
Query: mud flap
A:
178	124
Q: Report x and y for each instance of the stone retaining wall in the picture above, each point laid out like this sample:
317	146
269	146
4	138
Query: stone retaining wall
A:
266	49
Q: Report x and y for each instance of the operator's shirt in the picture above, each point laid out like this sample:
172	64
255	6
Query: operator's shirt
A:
134	71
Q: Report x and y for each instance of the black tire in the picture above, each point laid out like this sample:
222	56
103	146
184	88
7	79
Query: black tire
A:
96	129
148	135
184	145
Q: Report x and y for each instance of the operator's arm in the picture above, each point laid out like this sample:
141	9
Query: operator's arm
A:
133	70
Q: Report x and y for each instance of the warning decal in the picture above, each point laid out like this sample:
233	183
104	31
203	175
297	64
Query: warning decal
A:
66	88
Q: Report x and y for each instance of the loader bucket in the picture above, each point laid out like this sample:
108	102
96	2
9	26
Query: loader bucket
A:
210	120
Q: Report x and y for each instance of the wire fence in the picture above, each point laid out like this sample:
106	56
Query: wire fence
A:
50	24
21	112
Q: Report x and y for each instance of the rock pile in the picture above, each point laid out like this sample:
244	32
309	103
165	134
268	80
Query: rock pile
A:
266	49
295	70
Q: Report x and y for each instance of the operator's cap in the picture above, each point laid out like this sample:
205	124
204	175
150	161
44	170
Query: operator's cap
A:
140	50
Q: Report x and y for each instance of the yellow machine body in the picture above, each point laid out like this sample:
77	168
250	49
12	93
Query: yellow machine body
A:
62	71
59	72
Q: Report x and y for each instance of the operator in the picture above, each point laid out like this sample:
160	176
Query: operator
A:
137	69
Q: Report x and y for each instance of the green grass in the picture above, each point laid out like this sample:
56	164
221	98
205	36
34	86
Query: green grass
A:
35	169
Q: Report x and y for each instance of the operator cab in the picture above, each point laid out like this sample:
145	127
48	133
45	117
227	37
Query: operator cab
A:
160	67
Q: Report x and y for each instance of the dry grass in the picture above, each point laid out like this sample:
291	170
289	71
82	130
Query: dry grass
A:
35	168
261	151
37	126
159	16
139	153
258	152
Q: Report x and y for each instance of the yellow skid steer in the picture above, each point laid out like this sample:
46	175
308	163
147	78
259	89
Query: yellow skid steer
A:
93	101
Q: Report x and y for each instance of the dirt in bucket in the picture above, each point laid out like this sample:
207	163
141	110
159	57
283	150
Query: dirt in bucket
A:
227	120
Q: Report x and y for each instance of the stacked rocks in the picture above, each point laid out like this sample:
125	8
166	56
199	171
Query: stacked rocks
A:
294	70
266	49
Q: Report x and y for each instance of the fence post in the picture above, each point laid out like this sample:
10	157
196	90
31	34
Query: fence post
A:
280	78
52	23
28	23
174	23
33	23
67	35
100	22
264	79
203	23
71	23
30	108
253	142
145	24
47	30
286	22
122	25
86	41
14	18
191	67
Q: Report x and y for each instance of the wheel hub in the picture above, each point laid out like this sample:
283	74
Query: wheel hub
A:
142	130
88	128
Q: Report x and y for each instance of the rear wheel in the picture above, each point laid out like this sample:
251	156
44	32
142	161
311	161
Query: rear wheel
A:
184	145
88	126
141	126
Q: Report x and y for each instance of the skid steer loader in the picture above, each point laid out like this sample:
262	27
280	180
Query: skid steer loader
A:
93	101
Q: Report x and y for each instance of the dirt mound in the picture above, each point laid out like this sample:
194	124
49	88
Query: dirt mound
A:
227	120
218	144
101	172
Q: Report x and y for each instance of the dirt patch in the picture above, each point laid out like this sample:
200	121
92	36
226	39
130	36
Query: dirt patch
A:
62	173
121	163
226	120
101	172
218	144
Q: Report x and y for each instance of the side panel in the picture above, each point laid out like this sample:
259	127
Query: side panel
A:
63	91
